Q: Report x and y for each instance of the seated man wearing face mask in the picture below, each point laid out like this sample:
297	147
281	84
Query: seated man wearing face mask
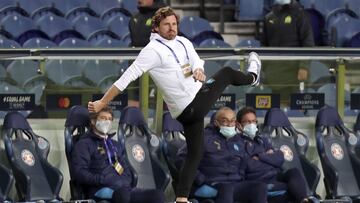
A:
221	171
99	165
264	162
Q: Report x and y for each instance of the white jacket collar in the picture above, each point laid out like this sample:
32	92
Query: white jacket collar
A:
154	36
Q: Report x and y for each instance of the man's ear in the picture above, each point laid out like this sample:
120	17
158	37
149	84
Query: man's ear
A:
238	125
216	123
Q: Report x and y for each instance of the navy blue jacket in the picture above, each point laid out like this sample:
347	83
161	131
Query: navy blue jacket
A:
92	168
223	159
268	165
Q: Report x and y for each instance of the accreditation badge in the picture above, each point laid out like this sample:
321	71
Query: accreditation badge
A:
186	69
119	169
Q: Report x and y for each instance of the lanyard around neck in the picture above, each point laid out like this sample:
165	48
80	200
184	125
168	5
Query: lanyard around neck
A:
172	51
113	150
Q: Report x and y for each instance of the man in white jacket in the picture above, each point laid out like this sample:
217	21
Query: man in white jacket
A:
178	72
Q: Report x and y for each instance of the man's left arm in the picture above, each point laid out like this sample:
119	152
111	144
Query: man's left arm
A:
271	156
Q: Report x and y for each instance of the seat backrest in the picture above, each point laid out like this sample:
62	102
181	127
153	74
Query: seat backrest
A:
249	10
6	182
143	150
35	178
192	26
280	132
76	124
172	133
335	145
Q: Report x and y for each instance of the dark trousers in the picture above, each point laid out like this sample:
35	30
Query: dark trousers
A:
245	191
192	119
136	195
295	183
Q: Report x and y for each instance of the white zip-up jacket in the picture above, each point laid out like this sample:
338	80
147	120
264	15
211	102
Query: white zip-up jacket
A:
155	57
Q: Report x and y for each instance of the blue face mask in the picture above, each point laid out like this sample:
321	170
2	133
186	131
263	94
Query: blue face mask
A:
282	2
250	130
228	132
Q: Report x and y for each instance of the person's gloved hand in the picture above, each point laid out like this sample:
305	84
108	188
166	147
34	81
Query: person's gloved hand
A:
206	191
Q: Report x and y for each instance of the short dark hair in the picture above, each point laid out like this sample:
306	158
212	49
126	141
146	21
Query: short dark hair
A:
242	112
93	116
161	14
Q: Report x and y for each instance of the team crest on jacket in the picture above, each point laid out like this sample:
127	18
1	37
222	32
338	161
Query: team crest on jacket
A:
288	154
27	157
138	153
336	151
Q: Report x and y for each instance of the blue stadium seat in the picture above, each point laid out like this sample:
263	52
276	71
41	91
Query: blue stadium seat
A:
330	94
234	64
211	67
57	28
197	29
38	43
21	28
318	73
214	43
76	124
103	73
354	6
143	150
10	6
35	178
6	182
327	6
294	144
107	8
307	3
248	43
72	8
109	42
119	24
65	72
92	28
74	43
26	73
191	26
341	25
249	10
8	43
37	8
7	88
130	5
337	148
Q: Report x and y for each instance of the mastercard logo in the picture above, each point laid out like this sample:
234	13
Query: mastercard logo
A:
64	102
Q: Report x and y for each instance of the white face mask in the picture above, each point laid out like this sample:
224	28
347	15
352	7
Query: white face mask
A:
282	2
250	130
228	132
103	126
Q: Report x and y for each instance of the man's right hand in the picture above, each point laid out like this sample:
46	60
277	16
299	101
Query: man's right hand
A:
96	106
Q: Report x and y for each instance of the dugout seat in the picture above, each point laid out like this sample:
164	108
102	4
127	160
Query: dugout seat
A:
6	182
76	124
337	147
143	150
294	144
35	178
